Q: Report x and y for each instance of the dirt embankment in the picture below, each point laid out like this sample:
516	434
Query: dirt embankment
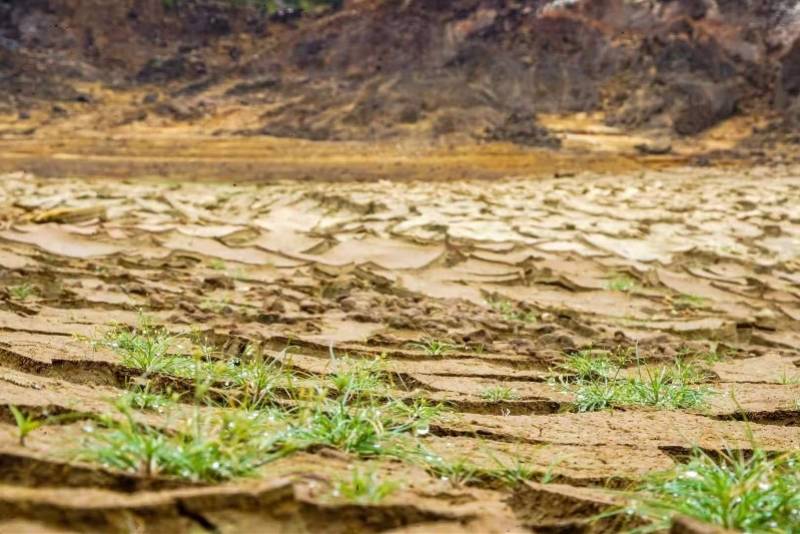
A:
374	70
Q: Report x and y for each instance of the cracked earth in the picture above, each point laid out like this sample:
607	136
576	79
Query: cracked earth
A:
510	275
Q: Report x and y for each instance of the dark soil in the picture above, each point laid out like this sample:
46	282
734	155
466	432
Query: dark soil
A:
374	70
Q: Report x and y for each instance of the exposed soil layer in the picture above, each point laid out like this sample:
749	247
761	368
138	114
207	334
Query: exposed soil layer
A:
513	274
473	70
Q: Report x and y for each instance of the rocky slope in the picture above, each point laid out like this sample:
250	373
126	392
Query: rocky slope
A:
397	68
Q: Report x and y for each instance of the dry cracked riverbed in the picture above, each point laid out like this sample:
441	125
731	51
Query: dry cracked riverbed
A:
445	323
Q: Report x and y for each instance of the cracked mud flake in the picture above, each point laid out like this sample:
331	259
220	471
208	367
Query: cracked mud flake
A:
582	465
771	368
439	366
211	231
13	261
788	340
665	429
20	390
440	284
477	386
337	331
214	249
286	242
55	240
386	253
46	348
690	285
637	249
601	303
745	398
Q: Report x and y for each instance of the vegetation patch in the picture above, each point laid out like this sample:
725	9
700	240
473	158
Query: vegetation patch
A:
499	394
204	448
511	312
601	382
364	487
750	492
691	302
622	282
433	347
263	410
22	291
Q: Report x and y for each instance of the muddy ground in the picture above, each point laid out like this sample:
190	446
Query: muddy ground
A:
512	274
466	192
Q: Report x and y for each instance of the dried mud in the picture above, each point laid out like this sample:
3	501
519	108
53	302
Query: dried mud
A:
710	259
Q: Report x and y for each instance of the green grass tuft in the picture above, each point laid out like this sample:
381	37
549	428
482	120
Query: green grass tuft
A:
141	398
355	379
586	365
433	347
511	312
25	423
375	429
22	291
692	302
364	487
499	394
146	348
746	492
216	264
598	384
204	449
622	282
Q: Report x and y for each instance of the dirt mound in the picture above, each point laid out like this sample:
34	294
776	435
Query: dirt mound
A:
372	70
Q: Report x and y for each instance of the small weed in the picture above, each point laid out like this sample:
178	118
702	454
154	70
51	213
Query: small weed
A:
146	348
258	384
622	282
25	424
663	388
459	472
750	493
511	474
586	365
22	291
599	395
434	347
691	302
357	379
216	264
216	305
372	430
205	450
597	385
788	380
462	472
499	394
511	312
141	398
364	487
548	476
419	412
